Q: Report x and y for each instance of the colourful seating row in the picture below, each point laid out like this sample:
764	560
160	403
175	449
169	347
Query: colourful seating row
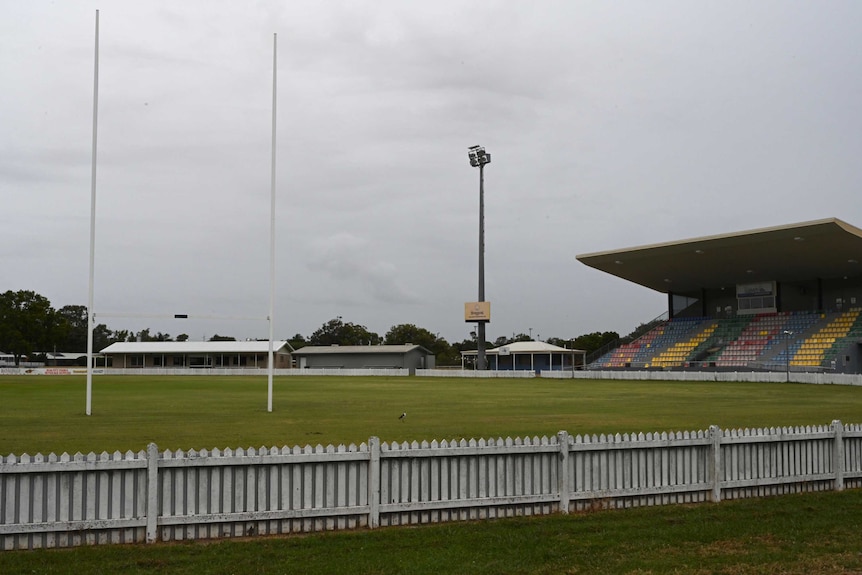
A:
790	338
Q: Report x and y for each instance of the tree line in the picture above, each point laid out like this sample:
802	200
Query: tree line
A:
30	326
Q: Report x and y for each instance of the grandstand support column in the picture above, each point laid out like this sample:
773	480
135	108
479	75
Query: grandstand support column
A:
669	304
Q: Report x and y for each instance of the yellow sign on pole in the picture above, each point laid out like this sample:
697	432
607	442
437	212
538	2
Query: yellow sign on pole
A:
477	311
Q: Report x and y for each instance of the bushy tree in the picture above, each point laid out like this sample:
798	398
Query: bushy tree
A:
408	333
336	332
593	341
74	318
28	323
297	341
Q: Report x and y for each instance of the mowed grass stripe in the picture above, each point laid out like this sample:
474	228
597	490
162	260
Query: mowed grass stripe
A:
46	414
815	533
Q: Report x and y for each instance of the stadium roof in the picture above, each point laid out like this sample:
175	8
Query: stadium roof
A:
828	248
195	347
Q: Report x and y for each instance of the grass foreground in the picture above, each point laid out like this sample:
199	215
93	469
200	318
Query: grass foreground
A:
46	414
810	534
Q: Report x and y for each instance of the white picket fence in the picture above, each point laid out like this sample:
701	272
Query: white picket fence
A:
62	501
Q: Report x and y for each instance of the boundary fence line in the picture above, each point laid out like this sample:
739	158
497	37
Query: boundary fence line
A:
625	375
151	495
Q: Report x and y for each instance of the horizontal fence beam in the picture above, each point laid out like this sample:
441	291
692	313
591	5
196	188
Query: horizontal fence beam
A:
152	495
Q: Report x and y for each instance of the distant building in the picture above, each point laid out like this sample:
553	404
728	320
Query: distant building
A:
528	356
197	354
406	356
65	358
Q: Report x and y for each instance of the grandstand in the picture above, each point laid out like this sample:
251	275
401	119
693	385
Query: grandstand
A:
781	298
804	341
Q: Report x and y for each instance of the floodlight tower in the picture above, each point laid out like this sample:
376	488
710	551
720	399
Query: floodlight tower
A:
478	159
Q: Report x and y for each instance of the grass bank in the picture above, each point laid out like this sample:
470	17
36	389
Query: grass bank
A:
793	535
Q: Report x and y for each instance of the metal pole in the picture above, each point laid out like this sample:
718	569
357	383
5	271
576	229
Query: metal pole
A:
787	334
787	357
90	319
272	228
480	354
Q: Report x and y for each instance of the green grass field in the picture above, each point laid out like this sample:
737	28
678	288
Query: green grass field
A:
45	414
802	534
811	534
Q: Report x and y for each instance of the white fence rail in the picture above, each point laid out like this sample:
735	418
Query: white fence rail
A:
61	501
727	376
631	375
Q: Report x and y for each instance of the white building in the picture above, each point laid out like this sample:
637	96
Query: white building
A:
528	356
197	354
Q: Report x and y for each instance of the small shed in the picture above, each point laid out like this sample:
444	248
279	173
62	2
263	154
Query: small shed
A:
528	356
407	356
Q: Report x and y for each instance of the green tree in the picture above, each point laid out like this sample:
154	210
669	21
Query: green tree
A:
28	323
122	335
336	332
102	337
588	342
409	333
74	318
75	322
218	337
297	341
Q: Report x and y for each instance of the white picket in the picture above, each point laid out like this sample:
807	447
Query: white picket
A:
50	501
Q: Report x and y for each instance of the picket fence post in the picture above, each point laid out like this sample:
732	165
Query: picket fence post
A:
563	471
716	471
838	454
374	482
152	493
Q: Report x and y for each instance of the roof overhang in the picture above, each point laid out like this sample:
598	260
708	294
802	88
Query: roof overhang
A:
827	248
178	347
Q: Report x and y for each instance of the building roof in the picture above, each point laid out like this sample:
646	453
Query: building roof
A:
525	347
196	347
358	349
69	355
828	248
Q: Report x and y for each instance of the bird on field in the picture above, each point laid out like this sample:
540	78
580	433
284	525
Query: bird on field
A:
402	416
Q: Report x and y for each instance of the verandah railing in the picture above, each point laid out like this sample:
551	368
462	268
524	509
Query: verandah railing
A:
59	501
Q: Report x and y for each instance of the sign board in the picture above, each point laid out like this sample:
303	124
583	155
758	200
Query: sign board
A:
755	289
477	311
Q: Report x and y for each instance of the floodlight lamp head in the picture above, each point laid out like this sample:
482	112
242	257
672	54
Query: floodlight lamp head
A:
478	157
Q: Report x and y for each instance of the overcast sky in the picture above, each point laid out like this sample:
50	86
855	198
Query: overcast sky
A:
610	125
